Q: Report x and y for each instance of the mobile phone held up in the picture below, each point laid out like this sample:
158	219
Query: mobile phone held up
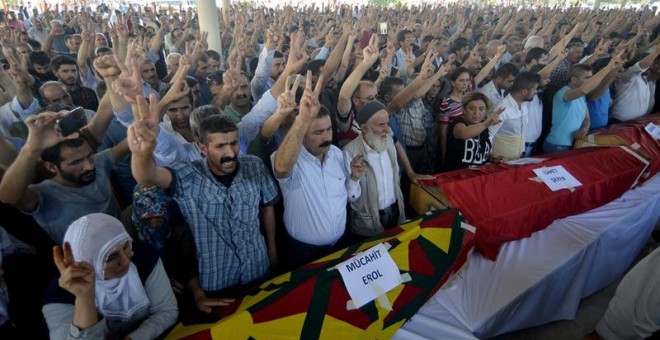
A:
72	122
382	29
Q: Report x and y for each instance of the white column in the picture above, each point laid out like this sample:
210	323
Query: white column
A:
208	21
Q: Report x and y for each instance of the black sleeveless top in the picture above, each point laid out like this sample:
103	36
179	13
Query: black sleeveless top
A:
462	154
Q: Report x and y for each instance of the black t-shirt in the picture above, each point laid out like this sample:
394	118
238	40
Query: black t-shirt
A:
463	153
226	180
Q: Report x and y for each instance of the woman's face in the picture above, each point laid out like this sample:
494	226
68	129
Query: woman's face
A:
461	83
474	112
117	263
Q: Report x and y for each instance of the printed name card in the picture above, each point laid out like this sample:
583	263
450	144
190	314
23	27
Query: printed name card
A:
369	274
557	178
653	130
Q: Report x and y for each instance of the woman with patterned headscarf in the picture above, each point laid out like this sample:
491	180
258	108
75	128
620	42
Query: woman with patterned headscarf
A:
104	291
155	221
151	217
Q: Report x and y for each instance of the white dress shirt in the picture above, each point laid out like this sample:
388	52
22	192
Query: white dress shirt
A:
534	120
512	129
632	94
315	196
494	95
382	166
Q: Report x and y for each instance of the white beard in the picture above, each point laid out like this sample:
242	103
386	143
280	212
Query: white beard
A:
378	143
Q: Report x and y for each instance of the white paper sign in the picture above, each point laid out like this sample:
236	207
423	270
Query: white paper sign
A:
653	130
369	274
557	178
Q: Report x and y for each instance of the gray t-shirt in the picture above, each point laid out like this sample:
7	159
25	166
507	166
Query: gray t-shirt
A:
59	206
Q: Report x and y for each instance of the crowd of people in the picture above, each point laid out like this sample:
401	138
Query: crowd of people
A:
170	177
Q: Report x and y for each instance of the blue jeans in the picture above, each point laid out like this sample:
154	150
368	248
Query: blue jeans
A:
552	148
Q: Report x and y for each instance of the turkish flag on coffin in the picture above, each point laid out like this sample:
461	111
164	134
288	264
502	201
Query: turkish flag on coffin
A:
504	204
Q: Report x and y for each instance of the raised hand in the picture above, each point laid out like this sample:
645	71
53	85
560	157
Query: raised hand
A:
297	54
500	51
370	53
142	133
121	27
129	84
618	59
107	67
494	117
87	32
603	45
428	69
357	167
76	277
286	102
42	131
272	39
309	104
444	70
19	71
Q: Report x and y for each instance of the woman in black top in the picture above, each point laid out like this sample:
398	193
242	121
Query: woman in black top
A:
467	141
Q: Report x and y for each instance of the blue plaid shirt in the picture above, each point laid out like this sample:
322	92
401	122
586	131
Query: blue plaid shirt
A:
225	221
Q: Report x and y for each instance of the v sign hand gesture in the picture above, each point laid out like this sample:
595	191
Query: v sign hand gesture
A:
286	102
309	104
142	133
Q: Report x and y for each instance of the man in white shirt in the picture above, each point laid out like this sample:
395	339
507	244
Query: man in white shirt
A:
508	137
496	89
38	32
381	206
632	90
315	184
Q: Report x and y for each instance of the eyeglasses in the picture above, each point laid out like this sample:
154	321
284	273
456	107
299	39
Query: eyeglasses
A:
369	99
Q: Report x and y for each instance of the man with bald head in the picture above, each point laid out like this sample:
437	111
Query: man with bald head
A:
380	206
172	61
54	92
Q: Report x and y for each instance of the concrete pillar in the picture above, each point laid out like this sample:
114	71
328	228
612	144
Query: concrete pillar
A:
208	21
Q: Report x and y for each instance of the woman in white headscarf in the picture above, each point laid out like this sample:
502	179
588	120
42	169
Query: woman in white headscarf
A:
104	291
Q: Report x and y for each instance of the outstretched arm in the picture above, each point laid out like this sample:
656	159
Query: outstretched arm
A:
370	54
288	152
42	135
142	142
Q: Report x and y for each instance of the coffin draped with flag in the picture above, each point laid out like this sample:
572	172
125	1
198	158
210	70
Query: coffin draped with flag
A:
311	302
506	202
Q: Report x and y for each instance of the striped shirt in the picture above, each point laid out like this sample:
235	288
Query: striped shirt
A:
225	221
450	110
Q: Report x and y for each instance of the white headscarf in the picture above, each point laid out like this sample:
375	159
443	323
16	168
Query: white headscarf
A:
92	237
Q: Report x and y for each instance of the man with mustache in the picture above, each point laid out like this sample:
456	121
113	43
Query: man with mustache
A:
314	181
150	76
239	103
381	206
221	198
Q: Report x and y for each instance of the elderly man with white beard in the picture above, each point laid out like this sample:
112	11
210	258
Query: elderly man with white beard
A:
381	204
